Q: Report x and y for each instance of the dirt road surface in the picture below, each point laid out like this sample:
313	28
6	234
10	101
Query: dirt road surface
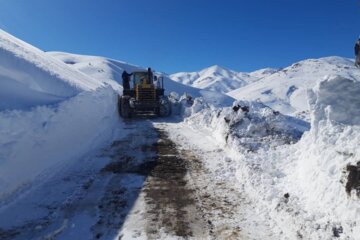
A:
142	176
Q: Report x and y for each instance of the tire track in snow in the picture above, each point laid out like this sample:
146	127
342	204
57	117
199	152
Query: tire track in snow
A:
170	199
229	212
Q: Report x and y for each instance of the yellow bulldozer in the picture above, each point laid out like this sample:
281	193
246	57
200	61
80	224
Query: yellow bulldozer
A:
144	95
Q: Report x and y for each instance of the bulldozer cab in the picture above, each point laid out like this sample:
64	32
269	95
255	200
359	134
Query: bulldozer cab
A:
142	78
146	95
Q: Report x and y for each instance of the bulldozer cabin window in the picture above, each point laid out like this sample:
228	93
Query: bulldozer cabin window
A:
139	78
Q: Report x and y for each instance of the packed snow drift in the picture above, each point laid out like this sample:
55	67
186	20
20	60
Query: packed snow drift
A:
247	125
47	109
328	164
44	140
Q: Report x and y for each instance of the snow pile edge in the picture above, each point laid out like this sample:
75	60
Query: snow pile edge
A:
328	150
246	126
46	138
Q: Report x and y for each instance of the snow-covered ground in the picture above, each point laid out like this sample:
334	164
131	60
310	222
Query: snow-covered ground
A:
286	90
219	79
263	175
307	181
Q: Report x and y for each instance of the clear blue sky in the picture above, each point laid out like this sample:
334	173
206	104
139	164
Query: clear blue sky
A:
188	35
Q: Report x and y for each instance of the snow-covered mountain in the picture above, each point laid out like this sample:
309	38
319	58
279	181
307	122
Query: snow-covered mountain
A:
219	79
286	89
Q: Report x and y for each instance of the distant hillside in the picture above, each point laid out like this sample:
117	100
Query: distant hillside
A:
286	90
219	79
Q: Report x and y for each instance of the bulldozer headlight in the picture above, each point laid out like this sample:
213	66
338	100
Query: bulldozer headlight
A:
132	102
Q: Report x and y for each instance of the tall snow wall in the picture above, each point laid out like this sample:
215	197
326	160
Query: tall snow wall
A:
329	148
35	144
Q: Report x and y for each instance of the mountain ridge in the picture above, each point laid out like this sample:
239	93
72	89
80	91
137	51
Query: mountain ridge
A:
220	79
286	89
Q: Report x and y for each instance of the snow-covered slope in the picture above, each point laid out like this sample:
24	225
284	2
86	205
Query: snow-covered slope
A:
219	79
29	77
101	69
286	89
109	71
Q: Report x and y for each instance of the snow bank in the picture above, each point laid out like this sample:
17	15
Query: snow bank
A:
244	126
326	154
35	143
311	188
335	99
29	77
256	142
50	114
